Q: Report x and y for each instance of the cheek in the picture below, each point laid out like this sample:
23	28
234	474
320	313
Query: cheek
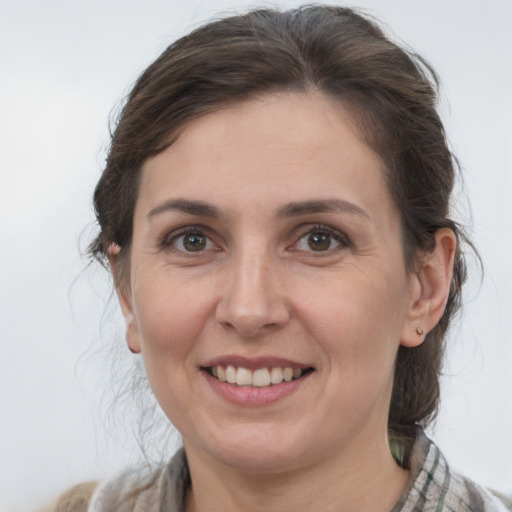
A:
358	320
169	326
358	328
169	319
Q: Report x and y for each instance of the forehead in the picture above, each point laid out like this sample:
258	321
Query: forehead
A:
277	147
302	121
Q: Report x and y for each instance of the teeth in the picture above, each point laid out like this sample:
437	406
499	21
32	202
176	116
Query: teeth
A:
262	377
231	374
276	375
243	377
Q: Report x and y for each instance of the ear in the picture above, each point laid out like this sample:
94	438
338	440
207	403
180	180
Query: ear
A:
429	289
125	300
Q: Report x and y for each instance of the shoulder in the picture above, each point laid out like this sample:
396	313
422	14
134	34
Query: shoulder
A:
434	486
133	490
75	499
136	491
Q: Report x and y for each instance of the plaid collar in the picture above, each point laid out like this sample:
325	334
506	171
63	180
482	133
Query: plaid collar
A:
434	487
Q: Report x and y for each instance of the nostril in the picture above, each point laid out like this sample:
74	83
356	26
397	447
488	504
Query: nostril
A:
250	300
251	321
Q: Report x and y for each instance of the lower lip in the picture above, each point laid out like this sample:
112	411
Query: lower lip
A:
254	396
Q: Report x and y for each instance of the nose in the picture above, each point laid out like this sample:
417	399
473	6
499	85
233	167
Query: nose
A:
252	299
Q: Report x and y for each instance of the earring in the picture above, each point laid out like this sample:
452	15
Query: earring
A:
419	331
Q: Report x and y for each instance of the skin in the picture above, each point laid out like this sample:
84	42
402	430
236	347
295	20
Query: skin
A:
261	285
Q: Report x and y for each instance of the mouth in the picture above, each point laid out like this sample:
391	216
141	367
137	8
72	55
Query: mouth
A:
256	378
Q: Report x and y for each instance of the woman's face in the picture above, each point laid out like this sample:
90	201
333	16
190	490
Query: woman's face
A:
266	247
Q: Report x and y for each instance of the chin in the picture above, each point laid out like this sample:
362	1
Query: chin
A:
266	460
258	449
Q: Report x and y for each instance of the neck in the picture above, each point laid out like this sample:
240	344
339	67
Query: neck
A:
365	477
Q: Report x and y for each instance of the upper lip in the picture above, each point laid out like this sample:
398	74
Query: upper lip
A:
253	363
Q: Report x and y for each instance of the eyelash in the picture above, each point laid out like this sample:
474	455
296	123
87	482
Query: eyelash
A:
169	240
335	235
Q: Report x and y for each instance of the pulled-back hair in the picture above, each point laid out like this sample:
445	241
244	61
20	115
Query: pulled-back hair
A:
391	95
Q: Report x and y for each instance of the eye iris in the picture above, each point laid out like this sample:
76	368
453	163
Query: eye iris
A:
194	242
319	241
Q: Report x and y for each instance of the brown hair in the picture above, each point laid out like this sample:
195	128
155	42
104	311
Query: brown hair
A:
391	93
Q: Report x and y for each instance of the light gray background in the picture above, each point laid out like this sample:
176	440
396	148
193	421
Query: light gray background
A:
63	66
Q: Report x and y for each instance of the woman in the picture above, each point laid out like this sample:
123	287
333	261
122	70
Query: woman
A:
275	214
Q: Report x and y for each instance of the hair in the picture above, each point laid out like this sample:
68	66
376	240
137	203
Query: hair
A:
391	95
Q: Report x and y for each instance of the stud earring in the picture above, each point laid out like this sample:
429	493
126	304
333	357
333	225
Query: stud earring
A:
419	331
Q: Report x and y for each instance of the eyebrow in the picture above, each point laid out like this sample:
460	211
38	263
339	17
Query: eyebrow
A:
199	208
299	208
294	209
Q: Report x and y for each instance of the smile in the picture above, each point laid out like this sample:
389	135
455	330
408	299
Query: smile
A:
258	378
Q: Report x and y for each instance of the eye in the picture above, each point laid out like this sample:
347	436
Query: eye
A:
193	242
321	239
190	241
